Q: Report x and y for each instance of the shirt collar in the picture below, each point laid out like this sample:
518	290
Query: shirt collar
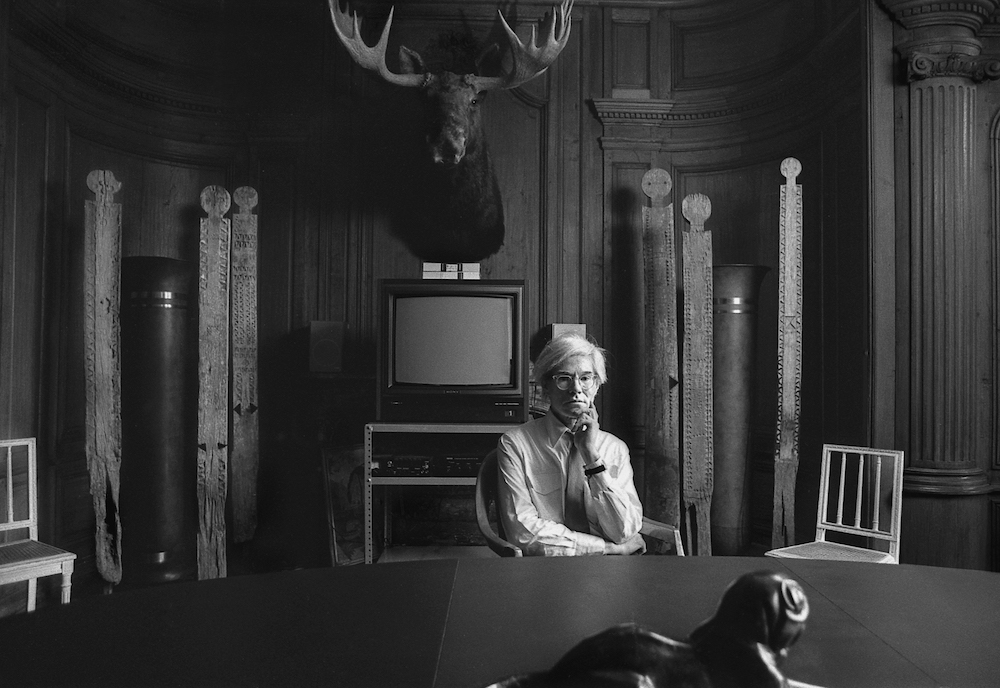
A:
554	428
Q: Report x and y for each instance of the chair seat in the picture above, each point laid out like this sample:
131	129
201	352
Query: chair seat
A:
831	550
30	558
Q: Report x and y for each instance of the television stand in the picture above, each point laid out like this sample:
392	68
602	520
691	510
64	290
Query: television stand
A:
424	454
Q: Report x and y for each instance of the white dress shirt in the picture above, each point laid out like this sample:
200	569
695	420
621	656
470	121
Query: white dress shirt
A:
532	460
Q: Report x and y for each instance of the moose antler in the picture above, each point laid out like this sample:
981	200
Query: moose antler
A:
530	60
348	29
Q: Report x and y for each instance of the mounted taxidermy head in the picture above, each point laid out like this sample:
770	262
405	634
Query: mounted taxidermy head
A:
458	213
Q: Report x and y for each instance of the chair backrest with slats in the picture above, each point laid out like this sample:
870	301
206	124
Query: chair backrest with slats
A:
860	493
18	496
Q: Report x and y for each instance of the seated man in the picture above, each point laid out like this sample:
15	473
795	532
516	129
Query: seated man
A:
565	485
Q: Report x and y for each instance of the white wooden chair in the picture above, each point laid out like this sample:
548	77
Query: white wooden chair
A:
861	491
24	558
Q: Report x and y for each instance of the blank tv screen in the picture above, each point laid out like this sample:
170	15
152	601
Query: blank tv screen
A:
453	340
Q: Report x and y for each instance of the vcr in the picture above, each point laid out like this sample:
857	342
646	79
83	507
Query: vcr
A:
431	466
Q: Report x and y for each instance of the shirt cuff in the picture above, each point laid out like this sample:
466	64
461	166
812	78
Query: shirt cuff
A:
589	544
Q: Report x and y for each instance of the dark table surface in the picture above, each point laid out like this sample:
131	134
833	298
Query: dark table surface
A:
471	622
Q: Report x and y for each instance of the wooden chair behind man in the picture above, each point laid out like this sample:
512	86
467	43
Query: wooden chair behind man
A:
660	538
22	556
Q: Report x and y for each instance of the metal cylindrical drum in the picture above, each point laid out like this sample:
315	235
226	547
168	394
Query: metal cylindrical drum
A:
735	294
157	501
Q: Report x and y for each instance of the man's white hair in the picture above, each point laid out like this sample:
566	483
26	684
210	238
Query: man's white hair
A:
564	347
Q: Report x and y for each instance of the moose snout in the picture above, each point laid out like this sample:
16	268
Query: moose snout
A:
448	150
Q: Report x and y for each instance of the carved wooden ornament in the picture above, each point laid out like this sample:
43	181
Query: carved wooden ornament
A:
244	457
786	453
662	456
697	435
213	383
102	346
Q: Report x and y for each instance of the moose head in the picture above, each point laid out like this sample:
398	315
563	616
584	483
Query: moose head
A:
459	205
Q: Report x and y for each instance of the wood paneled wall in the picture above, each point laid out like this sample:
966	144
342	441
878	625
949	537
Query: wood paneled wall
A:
173	99
148	103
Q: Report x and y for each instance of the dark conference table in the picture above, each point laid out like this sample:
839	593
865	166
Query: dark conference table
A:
470	622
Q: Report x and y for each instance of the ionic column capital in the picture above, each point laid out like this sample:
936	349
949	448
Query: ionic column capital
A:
928	65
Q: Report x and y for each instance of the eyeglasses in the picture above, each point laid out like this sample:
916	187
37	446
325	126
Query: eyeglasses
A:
564	381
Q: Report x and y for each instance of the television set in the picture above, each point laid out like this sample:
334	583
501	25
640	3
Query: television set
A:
452	351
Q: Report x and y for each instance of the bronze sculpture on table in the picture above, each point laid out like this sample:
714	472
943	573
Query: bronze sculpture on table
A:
743	645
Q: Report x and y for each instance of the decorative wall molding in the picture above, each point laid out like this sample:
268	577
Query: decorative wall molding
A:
942	27
914	14
627	143
954	483
992	25
699	112
706	109
676	112
622	111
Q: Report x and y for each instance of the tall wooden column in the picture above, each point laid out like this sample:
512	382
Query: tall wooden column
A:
945	432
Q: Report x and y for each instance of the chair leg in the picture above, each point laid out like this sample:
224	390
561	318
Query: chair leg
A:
67	581
32	590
